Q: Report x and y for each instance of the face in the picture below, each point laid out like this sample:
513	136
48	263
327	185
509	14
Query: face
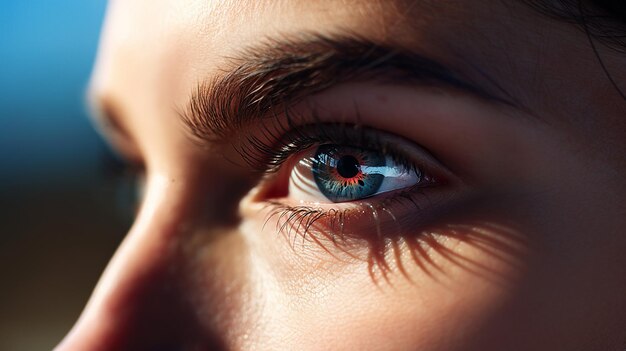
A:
362	175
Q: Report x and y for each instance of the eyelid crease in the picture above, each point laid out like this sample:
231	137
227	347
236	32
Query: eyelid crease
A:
278	140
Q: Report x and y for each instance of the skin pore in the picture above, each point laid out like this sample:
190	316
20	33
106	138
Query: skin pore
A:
515	243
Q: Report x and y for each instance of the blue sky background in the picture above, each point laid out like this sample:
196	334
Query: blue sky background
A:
47	49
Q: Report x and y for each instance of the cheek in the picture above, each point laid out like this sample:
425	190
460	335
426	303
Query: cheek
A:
365	316
418	295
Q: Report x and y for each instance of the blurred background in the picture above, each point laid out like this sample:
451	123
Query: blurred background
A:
62	195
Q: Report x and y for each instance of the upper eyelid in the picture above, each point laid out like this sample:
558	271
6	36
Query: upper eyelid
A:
297	136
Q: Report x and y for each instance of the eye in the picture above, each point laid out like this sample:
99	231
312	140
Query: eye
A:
332	182
339	173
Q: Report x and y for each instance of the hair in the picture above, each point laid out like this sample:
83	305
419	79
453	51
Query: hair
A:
615	7
603	21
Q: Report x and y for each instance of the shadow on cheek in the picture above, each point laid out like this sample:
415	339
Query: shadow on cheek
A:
487	250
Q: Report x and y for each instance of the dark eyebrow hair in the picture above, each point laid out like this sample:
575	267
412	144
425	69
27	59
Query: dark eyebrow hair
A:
279	72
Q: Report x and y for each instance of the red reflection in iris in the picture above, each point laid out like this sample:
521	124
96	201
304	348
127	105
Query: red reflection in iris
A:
347	164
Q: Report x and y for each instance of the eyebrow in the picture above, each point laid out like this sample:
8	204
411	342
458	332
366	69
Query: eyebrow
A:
281	72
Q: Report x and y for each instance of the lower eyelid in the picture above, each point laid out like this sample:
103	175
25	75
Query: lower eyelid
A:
396	214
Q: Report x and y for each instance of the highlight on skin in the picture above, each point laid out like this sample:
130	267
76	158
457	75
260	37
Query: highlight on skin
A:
384	175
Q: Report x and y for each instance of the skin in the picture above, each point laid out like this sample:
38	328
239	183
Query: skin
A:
527	255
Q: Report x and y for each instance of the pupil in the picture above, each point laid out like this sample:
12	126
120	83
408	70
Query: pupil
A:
348	166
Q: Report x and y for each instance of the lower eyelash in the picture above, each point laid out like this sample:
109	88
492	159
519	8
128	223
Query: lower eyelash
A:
384	242
299	221
290	219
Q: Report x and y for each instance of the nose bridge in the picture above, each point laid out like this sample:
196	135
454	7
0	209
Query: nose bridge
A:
140	302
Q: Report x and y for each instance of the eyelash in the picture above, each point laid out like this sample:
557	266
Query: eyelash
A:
278	142
268	152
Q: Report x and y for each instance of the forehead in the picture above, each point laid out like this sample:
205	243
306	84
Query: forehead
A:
155	52
179	32
169	44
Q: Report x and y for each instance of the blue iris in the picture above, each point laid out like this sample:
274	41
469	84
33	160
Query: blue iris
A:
340	172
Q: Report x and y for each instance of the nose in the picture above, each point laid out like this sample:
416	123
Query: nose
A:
142	301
